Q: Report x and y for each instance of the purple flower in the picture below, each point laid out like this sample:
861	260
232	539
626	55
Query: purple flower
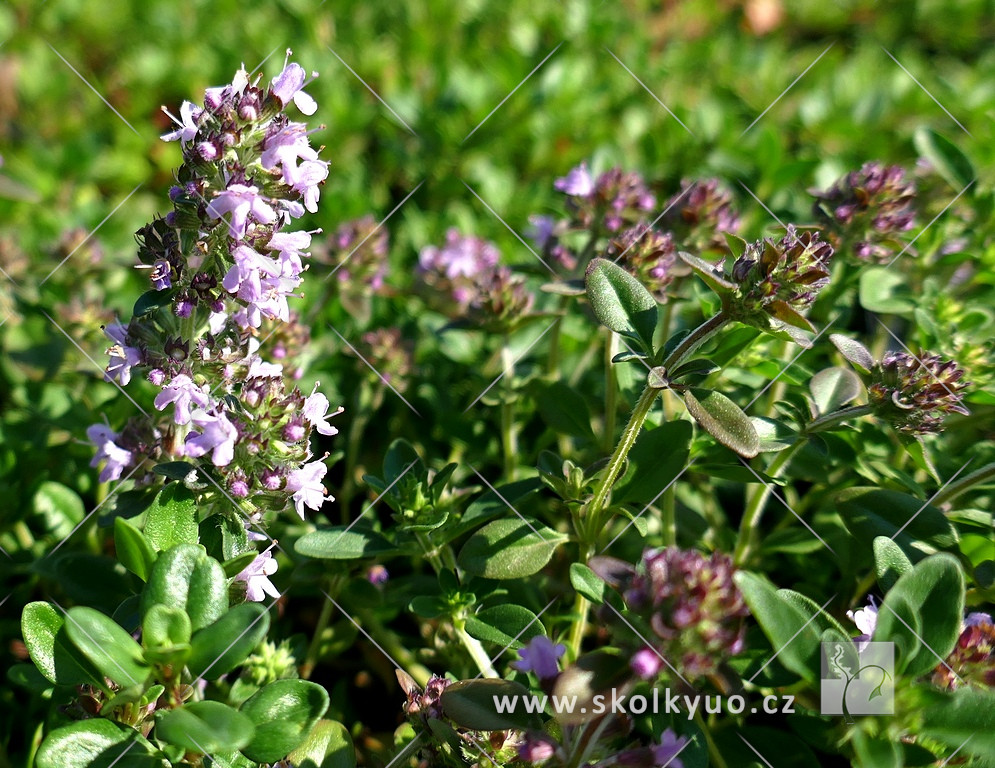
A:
306	487
259	369
916	393
183	393
122	357
459	257
540	656
377	575
189	114
241	200
256	576
315	412
217	435
646	663
665	753
578	182
161	275
284	148
536	747
307	181
287	87
117	458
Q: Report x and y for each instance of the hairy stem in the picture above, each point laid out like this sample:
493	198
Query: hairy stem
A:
611	393
750	523
695	339
956	488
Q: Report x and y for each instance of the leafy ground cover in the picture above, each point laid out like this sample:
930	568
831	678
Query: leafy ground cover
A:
662	338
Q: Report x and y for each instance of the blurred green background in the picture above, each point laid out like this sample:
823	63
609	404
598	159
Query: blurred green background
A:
79	175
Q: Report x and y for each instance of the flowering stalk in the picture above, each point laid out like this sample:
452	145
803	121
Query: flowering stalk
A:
222	266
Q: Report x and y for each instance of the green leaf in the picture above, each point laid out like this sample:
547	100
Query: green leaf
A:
470	704
833	388
238	564
621	303
712	275
564	410
509	549
853	351
97	743
890	562
204	727
774	435
186	577
328	745
508	625
657	457
172	518
60	508
224	537
133	549
51	649
399	457
283	713
810	608
217	649
947	159
151	300
963	719
174	470
934	592
166	634
587	583
490	504
107	645
723	420
885	291
916	528
337	543
786	626
591	675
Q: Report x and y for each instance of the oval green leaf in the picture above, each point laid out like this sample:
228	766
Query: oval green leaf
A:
328	745
509	549
204	727
621	302
283	713
133	549
172	518
107	645
51	649
97	743
723	420
470	704
187	577
340	544
509	625
217	649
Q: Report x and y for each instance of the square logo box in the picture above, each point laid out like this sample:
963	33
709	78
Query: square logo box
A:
858	679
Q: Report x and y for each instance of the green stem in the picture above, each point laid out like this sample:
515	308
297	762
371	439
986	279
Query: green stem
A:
695	339
314	647
581	607
668	508
509	437
717	761
475	649
599	500
611	392
754	509
831	420
956	488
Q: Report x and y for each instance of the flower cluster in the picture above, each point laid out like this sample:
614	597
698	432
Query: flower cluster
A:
466	281
700	214
869	210
650	255
915	393
390	355
778	280
221	264
359	250
973	658
615	200
690	602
